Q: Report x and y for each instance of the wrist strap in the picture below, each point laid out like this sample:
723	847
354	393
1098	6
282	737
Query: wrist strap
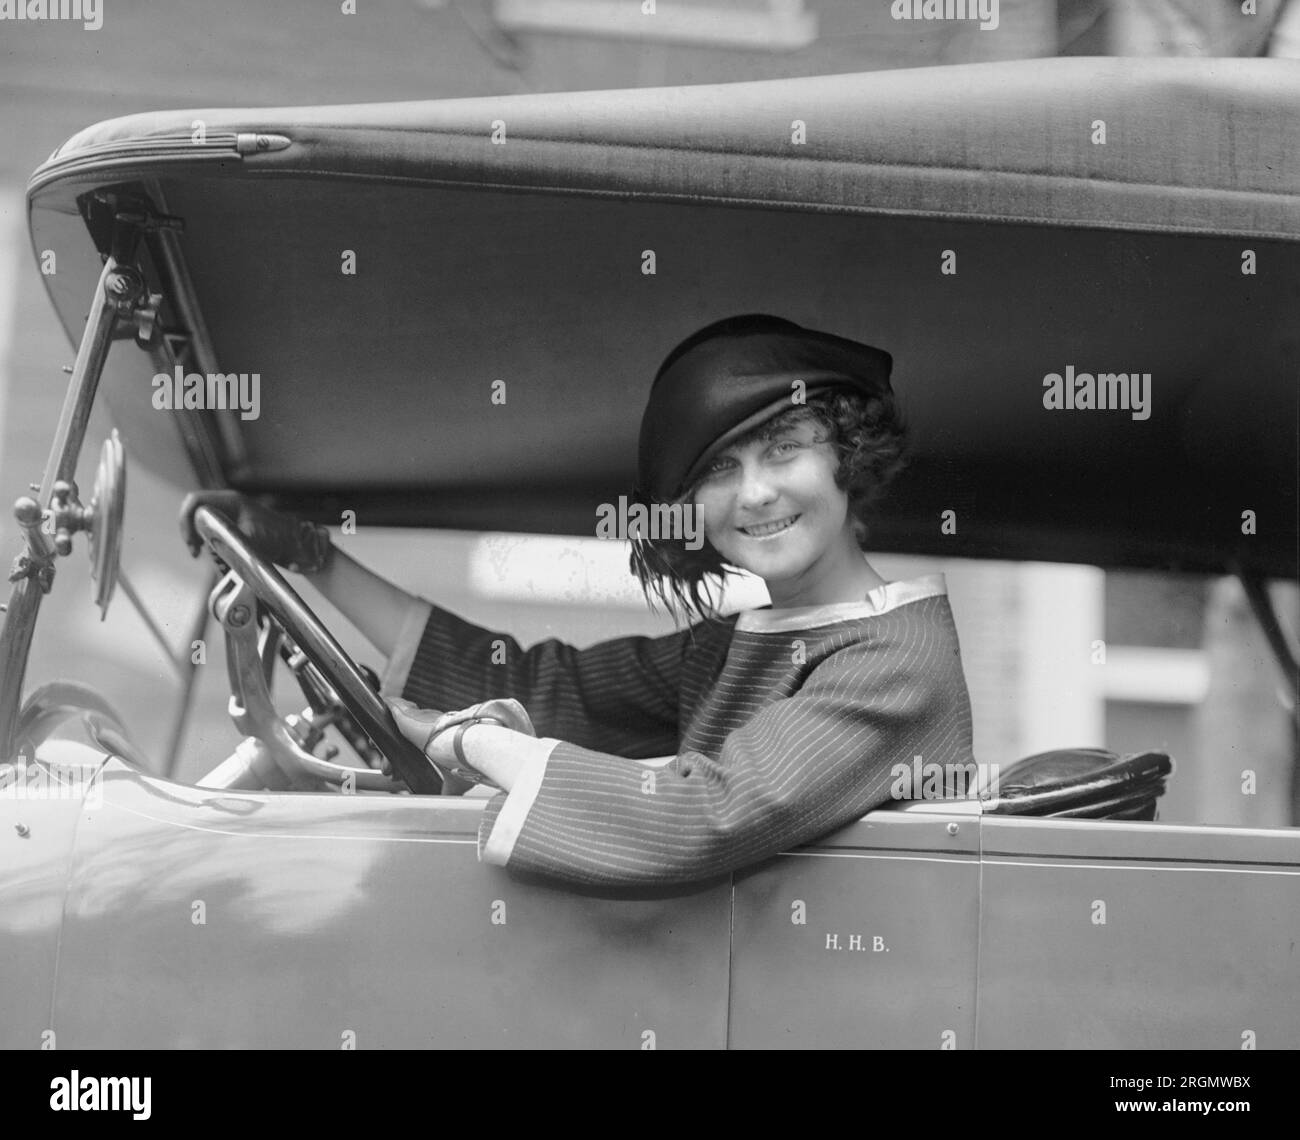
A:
456	745
466	770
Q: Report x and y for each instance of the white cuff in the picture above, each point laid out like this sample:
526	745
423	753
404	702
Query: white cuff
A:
509	823
393	679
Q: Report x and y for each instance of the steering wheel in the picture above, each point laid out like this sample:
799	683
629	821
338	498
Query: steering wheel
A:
295	619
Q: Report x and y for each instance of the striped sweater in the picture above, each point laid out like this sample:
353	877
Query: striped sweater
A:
781	725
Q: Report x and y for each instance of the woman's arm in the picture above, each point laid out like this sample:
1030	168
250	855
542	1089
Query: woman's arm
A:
376	606
501	754
379	609
618	696
800	767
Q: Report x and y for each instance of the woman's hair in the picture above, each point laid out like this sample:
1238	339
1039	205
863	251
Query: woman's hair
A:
869	435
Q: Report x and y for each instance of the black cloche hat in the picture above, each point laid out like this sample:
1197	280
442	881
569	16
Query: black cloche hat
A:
728	378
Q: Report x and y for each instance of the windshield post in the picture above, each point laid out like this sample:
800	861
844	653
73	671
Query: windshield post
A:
119	292
1261	603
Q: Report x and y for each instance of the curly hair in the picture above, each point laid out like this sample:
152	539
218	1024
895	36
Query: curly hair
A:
869	435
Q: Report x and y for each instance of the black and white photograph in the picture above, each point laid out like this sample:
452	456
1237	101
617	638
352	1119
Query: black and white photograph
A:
650	524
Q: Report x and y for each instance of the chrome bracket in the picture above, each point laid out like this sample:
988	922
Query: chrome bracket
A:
67	516
250	651
249	143
26	567
37	561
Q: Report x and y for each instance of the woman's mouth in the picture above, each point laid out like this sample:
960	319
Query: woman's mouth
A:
770	530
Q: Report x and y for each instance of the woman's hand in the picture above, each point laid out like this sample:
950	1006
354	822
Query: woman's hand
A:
423	727
417	724
278	537
501	731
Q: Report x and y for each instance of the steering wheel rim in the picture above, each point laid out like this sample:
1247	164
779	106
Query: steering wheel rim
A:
309	633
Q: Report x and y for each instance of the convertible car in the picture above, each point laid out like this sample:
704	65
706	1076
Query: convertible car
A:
407	314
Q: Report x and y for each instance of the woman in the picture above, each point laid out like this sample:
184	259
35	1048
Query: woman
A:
652	760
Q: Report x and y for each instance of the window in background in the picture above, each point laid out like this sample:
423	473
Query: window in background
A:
1188	671
775	25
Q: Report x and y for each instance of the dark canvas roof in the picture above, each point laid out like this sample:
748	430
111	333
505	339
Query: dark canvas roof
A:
1192	146
479	262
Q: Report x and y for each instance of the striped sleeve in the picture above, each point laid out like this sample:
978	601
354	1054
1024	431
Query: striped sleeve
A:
801	767
618	696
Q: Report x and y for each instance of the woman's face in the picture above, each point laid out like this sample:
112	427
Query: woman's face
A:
771	506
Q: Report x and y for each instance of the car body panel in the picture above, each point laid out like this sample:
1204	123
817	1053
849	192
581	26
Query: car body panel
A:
1108	934
863	940
206	918
37	837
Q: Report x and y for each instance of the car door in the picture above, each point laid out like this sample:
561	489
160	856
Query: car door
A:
213	918
1119	934
866	939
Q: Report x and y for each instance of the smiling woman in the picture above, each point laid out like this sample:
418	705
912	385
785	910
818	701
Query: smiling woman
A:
742	406
685	756
672	759
771	505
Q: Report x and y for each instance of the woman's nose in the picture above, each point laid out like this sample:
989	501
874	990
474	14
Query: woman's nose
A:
756	487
